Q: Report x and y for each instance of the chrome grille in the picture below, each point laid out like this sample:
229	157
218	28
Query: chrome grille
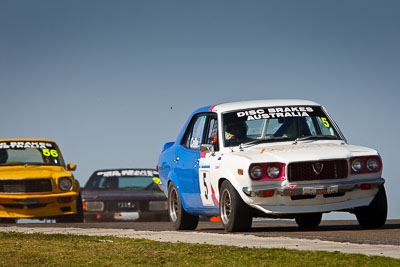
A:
126	205
122	205
25	186
304	171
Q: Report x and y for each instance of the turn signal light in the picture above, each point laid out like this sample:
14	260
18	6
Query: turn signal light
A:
268	193
64	199
365	186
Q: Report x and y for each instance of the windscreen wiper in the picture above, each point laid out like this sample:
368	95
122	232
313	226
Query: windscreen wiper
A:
20	164
308	137
266	140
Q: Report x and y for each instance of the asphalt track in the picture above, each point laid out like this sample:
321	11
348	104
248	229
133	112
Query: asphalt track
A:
343	236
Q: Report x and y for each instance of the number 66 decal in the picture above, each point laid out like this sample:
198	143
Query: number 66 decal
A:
50	152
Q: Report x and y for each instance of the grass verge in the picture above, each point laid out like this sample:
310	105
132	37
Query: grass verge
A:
17	249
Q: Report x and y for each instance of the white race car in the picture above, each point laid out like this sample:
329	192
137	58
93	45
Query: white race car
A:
269	158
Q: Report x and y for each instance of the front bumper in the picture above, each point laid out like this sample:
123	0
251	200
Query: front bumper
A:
313	197
37	206
140	216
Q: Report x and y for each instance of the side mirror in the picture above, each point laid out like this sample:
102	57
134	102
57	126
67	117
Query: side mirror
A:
168	145
207	148
71	167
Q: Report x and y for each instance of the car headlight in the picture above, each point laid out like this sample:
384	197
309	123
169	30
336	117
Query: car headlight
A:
256	172
273	171
94	206
357	165
157	205
65	184
373	164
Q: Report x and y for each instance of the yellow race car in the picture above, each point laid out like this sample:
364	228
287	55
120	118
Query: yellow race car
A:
36	183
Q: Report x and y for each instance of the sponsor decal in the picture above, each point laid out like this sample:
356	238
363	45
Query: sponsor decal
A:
128	172
300	147
276	112
25	144
194	143
205	166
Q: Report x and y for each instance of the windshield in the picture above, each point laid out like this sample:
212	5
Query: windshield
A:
277	124
29	152
122	180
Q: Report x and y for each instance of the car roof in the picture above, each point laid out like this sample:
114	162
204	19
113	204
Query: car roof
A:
261	103
26	139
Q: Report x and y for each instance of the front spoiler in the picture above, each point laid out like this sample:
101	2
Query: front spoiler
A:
140	216
37	205
318	188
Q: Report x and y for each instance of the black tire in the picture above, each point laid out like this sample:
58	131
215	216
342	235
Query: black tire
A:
89	218
236	216
177	215
374	215
308	220
74	218
8	220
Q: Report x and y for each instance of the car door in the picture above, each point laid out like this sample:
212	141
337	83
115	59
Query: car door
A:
208	164
186	161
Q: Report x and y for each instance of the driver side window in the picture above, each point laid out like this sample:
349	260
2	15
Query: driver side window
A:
212	132
193	135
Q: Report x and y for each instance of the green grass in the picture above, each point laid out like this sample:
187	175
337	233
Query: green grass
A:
18	249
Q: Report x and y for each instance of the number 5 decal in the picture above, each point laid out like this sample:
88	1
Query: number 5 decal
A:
205	185
325	121
205	188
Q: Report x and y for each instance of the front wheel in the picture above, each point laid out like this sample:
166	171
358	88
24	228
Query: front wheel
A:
308	220
374	215
177	215
236	215
8	220
74	218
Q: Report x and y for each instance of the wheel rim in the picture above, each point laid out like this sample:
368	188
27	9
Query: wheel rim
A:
173	205
225	206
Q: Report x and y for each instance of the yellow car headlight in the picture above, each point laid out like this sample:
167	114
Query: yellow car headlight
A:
65	184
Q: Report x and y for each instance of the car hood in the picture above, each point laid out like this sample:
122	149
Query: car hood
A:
305	151
32	171
121	194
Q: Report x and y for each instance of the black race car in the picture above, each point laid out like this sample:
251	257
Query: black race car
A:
124	195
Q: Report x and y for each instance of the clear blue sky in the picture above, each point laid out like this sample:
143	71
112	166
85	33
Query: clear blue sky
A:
100	77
